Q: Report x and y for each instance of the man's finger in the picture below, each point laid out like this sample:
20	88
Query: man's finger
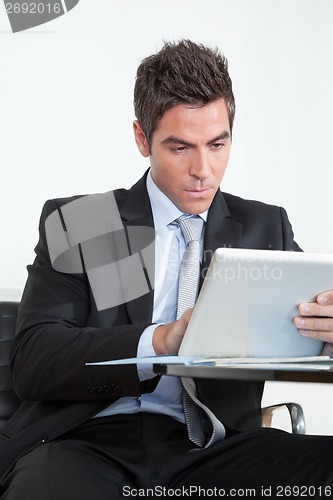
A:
318	335
325	298
314	309
315	324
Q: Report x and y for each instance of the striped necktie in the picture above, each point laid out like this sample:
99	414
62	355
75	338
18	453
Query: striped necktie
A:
188	284
189	271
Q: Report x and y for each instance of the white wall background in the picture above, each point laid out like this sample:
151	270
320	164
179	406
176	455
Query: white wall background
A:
66	118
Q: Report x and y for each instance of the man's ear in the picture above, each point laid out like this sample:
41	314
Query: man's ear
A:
140	139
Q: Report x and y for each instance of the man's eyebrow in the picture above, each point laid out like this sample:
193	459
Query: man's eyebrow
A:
220	137
172	139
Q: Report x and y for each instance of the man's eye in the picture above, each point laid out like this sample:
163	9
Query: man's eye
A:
218	145
179	149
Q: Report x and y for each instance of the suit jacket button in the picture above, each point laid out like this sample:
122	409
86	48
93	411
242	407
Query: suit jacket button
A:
115	388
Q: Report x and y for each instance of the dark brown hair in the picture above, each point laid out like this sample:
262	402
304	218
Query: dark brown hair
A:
183	72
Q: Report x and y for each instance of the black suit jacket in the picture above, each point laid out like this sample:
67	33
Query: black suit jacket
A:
60	329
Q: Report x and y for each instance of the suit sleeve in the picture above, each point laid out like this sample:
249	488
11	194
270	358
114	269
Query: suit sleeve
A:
56	337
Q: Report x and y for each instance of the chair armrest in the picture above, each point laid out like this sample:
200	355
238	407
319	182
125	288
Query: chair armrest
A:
296	415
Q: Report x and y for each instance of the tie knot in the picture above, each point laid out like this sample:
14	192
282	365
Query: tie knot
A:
191	227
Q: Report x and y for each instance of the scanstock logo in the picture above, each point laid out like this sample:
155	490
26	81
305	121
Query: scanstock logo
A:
26	14
87	235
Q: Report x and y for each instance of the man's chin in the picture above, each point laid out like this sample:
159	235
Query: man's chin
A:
196	202
195	207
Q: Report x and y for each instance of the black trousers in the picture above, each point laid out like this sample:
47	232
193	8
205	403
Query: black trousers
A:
149	456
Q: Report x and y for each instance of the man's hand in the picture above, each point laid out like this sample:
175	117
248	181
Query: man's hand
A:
167	338
316	318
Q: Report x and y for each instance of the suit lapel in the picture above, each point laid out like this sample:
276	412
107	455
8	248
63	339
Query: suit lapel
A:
221	230
138	222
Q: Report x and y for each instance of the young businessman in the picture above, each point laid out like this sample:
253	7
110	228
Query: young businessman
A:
106	432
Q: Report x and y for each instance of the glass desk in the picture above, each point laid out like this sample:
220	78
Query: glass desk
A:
291	372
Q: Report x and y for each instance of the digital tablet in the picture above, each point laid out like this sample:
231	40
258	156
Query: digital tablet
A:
248	301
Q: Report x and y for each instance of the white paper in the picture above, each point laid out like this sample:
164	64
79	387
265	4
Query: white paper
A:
186	360
163	359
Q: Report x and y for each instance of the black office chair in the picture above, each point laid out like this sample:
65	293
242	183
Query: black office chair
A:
9	401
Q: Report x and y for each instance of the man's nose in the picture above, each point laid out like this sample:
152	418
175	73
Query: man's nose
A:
200	165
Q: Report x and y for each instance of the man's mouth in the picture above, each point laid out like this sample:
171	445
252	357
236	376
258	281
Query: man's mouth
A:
198	190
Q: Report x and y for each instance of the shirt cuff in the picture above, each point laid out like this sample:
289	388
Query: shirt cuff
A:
145	349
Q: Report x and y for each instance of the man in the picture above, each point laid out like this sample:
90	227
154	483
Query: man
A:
114	431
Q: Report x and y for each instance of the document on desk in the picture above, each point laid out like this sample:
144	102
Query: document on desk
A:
313	361
161	359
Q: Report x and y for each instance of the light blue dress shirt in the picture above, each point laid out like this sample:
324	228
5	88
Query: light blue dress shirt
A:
169	249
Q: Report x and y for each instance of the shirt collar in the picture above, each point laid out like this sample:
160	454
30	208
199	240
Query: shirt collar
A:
164	210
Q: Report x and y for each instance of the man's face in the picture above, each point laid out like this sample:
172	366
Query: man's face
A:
189	153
